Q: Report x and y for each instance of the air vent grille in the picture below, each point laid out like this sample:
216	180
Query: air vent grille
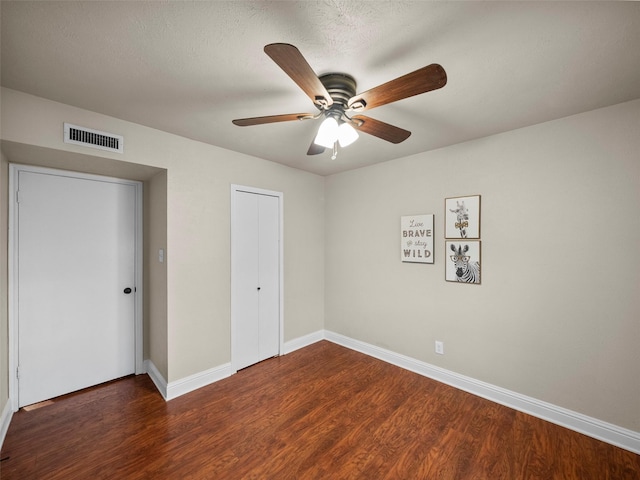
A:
93	138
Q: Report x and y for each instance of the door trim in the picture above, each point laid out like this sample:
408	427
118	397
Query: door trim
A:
280	196
14	170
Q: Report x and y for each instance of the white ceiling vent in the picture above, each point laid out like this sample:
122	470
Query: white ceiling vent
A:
93	138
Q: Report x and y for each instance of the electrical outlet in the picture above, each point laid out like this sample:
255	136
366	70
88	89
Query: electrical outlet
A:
439	347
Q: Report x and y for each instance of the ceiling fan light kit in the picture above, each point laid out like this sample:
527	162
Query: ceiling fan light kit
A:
331	132
334	95
327	133
347	135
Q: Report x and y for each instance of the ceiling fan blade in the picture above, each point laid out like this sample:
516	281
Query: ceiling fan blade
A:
422	80
315	149
380	129
294	64
245	122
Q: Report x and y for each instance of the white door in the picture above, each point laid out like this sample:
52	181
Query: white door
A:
76	264
255	278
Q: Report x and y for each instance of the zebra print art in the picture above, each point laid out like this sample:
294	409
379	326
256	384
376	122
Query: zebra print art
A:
463	268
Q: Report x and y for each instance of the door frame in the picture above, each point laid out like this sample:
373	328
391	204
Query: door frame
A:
259	191
14	171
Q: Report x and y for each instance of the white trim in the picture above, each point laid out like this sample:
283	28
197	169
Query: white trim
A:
607	432
14	170
156	377
305	341
5	420
139	276
198	380
171	390
240	188
12	297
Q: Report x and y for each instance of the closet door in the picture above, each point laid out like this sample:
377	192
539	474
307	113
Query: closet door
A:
255	278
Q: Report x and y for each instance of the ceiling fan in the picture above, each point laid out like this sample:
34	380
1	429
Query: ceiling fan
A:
334	95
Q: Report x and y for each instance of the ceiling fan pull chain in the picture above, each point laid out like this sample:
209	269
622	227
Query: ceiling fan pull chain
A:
335	151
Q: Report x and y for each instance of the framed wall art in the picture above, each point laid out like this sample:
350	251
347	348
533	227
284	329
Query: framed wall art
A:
416	238
462	261
462	217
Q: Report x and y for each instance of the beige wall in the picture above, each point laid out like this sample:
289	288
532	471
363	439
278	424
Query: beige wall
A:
155	280
557	315
198	179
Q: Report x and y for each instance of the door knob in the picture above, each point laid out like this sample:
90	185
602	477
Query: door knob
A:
127	290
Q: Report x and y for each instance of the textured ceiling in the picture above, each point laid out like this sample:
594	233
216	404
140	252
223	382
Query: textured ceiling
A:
191	67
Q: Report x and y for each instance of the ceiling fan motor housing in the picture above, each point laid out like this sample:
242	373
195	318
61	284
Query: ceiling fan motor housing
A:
341	87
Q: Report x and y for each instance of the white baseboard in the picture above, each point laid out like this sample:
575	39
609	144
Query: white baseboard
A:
5	420
198	380
301	342
156	377
171	390
607	432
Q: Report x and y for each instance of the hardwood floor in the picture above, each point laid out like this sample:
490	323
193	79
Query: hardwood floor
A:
323	412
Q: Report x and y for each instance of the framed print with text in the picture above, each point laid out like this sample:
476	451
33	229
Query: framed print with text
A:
416	238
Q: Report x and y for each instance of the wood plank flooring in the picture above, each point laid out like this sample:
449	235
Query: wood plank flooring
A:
322	412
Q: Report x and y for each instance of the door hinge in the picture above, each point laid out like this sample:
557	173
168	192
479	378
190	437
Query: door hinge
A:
18	373
17	196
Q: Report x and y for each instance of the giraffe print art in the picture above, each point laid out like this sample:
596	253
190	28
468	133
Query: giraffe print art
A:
462	217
